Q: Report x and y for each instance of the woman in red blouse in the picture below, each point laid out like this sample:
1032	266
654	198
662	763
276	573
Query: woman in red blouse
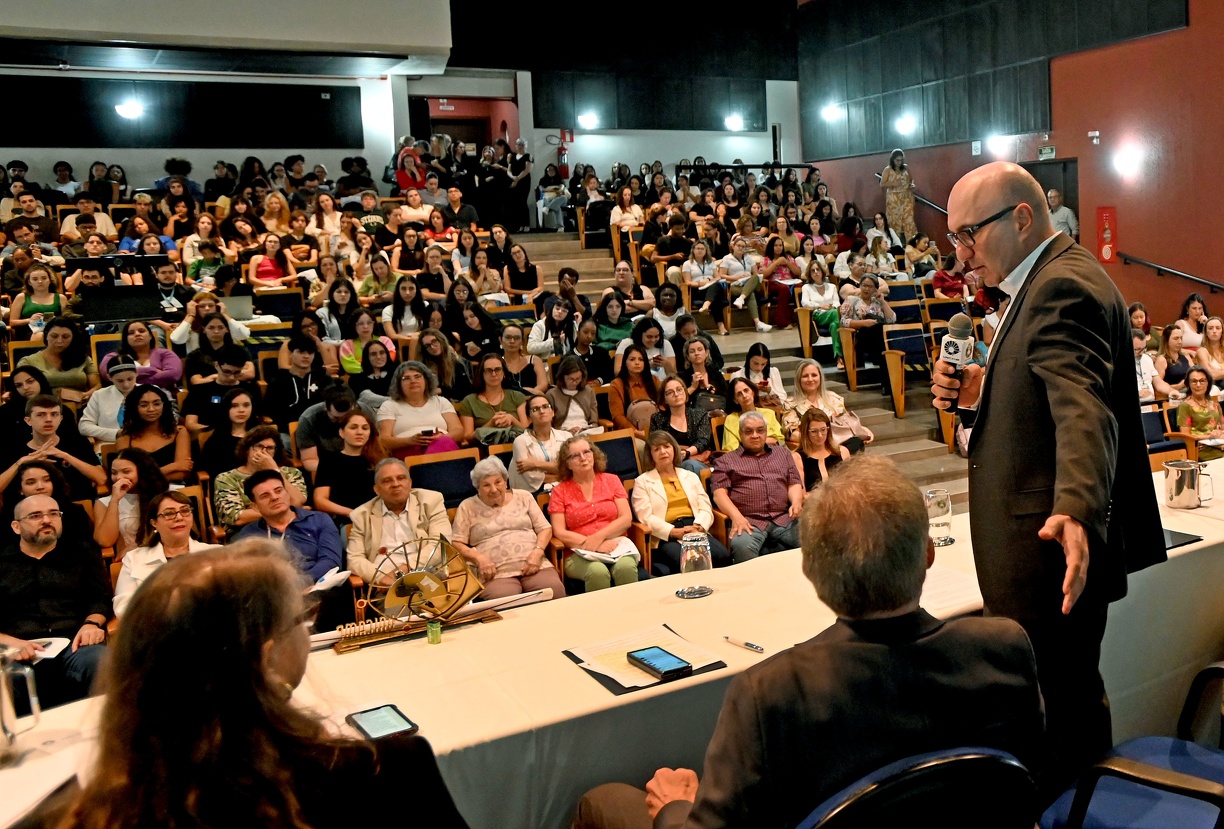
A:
590	514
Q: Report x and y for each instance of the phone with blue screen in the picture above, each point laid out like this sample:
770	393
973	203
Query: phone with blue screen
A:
659	663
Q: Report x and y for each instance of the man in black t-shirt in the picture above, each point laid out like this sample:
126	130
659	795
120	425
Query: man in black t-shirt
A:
298	387
457	214
203	408
673	249
357	180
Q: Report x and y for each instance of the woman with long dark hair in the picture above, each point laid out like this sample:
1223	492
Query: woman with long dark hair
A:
217	453
149	423
341	301
346	477
155	365
479	333
377	366
271	268
554	334
198	727
898	186
135	479
65	361
403	319
633	396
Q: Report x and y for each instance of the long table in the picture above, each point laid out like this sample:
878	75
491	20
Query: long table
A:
521	731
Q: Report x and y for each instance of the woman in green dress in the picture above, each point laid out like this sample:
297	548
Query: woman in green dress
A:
1200	415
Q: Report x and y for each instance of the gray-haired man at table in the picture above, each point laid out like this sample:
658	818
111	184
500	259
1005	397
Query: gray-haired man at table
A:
885	682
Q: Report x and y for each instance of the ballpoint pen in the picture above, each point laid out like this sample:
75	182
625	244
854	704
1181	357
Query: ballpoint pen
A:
746	645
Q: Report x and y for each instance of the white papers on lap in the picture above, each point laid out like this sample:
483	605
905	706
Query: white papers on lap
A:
1212	442
947	592
624	547
789	281
53	646
610	658
330	579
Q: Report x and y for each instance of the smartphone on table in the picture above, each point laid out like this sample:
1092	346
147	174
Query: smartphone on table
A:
383	721
659	663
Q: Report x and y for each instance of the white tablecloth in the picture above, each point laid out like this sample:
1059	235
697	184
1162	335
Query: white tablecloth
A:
521	731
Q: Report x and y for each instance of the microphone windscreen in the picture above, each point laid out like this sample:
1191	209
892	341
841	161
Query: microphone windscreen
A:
960	327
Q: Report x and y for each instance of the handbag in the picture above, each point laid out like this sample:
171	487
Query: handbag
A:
389	174
847	425
709	401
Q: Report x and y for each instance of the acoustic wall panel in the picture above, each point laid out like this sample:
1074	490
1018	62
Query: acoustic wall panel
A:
967	68
662	101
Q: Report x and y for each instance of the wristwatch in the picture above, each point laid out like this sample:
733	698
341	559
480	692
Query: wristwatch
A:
99	625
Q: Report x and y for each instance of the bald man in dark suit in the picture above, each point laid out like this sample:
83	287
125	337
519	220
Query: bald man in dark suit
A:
1062	505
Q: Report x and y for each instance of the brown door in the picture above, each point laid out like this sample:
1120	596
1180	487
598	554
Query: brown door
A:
472	131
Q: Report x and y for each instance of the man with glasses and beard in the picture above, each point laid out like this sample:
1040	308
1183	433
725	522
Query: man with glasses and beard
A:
51	590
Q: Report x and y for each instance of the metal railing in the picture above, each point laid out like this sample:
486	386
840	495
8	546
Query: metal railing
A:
1127	259
920	199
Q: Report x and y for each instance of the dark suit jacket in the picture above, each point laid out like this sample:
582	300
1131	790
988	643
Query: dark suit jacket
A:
1058	431
804	724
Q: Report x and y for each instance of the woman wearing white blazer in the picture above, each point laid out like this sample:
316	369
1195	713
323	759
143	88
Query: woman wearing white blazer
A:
672	502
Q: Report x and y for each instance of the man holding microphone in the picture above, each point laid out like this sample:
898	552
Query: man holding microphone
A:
1062	505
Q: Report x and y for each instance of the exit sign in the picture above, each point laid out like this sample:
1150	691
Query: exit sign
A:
1045	153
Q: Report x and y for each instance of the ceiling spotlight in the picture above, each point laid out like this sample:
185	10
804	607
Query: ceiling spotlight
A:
735	123
906	124
130	109
832	112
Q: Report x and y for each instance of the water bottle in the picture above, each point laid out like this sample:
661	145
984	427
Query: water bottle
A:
694	558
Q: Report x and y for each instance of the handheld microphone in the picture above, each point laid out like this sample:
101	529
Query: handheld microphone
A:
957	346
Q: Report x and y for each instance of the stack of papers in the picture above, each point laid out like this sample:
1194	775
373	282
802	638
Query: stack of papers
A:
610	658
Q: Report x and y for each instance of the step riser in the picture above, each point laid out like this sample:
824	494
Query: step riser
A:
912	454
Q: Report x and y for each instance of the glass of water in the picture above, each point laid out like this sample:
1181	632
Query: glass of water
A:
939	516
695	557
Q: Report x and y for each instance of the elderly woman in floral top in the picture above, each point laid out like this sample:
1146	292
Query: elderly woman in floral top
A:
867	313
503	533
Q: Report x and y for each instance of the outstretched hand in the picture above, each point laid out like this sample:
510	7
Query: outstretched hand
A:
1070	534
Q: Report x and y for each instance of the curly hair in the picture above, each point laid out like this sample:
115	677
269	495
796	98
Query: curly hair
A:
564	454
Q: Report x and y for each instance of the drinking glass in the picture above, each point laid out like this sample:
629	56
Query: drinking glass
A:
939	516
695	557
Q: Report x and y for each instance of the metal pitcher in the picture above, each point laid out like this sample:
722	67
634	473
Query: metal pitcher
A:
11	669
1182	482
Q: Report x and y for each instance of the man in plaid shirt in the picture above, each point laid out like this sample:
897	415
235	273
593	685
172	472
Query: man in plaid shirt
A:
757	486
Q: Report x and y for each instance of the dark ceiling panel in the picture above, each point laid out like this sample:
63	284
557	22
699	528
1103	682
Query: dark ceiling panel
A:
51	54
